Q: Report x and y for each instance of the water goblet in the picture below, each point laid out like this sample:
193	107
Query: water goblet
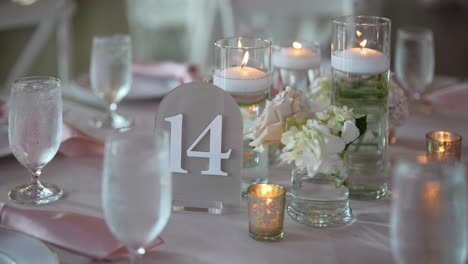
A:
136	189
428	212
414	59
34	133
111	77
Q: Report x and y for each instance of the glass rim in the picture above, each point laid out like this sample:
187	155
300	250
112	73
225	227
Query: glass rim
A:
414	30
266	43
37	78
380	21
431	136
281	189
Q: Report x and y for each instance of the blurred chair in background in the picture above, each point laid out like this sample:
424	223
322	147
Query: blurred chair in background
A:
180	30
50	16
184	30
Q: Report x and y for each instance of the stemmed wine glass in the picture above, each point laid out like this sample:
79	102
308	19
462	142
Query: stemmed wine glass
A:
136	189
34	133
428	213
111	77
414	59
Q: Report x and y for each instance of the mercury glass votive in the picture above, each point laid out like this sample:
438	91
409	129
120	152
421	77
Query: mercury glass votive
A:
443	145
266	211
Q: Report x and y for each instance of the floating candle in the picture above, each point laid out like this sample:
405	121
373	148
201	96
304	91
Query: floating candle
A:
360	60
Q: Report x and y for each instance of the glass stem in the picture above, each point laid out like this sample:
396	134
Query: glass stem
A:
35	178
136	256
111	111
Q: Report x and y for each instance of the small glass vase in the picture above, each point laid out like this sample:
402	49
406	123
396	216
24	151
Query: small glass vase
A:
318	200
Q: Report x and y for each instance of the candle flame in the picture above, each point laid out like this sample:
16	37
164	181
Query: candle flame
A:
245	59
266	189
297	45
358	33
239	44
363	43
441	149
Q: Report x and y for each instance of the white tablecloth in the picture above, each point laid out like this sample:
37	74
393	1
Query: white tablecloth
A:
198	238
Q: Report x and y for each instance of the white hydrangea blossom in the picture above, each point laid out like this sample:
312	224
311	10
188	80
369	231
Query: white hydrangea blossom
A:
340	121
313	147
313	141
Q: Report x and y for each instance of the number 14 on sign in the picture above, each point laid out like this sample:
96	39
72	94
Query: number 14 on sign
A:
214	155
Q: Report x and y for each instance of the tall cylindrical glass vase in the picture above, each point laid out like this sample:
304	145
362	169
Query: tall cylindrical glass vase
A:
360	62
243	69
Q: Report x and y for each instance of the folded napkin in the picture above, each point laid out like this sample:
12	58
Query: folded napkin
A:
184	73
453	98
75	143
82	234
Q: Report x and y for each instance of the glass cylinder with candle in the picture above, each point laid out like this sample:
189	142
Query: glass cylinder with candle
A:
295	64
360	62
243	69
266	211
443	145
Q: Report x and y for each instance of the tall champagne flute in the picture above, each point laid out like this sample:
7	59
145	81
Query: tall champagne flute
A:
34	132
414	59
428	213
136	189
111	76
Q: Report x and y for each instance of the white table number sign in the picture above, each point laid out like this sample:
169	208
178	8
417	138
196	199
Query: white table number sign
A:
205	128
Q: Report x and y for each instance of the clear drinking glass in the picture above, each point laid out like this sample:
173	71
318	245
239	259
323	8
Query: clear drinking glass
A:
111	76
428	215
35	129
136	189
414	59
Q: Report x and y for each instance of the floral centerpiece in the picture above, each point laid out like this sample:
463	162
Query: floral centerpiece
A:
315	143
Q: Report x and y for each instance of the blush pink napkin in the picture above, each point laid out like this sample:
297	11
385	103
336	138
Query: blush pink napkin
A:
453	98
75	143
184	73
82	234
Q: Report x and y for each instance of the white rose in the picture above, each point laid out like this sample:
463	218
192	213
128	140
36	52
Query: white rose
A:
270	125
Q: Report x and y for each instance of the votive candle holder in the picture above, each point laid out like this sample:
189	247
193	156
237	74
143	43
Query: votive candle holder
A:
443	145
266	211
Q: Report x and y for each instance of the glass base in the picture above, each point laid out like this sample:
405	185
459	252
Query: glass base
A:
114	121
360	192
33	194
266	238
6	259
319	218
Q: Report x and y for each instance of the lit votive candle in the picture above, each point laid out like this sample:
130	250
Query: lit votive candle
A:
266	211
297	57
443	145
